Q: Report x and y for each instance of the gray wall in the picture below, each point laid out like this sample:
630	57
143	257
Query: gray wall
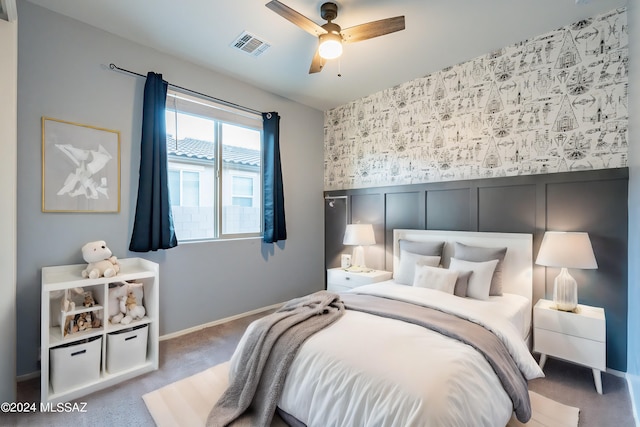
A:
591	201
8	183
62	66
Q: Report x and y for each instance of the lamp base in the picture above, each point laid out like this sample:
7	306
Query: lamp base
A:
357	259
565	291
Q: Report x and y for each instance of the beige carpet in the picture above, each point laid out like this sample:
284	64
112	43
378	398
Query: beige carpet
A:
187	403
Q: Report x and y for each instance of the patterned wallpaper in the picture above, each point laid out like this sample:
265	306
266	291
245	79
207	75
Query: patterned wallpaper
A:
555	103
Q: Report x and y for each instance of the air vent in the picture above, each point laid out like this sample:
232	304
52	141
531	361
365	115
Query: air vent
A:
250	44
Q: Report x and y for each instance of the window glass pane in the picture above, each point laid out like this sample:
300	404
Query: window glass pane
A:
242	186
191	189
241	201
241	167
174	187
192	155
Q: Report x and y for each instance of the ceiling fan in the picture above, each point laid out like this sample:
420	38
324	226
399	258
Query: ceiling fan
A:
330	35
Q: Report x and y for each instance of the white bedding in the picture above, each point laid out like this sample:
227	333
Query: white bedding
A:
371	371
516	308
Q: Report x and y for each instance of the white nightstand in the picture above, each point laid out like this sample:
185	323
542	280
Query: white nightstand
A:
339	280
576	337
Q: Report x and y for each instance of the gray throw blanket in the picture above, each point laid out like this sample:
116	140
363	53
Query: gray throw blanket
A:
270	344
481	339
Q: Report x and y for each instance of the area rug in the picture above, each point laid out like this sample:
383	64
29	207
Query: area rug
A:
187	402
548	413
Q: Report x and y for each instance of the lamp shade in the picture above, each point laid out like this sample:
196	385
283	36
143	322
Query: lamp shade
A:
359	235
566	250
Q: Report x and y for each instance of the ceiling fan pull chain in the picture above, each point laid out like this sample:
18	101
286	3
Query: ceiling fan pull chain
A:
339	67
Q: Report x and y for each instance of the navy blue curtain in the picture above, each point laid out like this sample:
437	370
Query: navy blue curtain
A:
153	226
275	227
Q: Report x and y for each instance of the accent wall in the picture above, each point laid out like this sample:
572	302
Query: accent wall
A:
554	103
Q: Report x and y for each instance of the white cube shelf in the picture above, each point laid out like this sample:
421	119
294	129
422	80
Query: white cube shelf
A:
60	381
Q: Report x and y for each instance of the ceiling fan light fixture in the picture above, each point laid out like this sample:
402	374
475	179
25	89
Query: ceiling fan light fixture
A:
330	46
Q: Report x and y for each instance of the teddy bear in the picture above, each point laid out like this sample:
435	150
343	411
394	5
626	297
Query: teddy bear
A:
82	322
101	261
125	303
96	321
129	306
115	293
88	300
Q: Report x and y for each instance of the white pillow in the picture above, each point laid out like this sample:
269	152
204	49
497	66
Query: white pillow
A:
436	278
407	265
480	280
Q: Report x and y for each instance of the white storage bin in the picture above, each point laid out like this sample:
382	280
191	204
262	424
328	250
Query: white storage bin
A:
127	348
75	364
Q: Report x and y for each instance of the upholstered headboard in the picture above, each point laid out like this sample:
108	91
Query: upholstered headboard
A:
517	270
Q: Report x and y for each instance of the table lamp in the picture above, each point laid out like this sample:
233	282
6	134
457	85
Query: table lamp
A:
359	235
566	250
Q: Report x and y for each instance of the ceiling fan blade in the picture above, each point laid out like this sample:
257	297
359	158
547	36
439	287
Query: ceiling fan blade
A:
300	20
372	29
317	63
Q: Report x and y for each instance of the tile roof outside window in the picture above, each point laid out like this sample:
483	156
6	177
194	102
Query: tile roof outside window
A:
199	149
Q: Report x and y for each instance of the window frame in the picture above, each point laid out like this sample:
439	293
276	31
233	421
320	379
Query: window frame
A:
220	114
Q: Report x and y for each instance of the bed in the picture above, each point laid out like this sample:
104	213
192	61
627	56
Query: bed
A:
371	370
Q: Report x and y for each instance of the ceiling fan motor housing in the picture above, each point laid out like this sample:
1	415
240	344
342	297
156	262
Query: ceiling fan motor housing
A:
329	11
330	27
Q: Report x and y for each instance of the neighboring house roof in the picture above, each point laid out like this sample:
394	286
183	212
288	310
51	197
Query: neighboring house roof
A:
197	149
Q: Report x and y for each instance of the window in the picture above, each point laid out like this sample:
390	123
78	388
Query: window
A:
184	187
215	169
242	193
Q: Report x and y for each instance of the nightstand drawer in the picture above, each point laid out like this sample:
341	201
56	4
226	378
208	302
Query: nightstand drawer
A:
579	350
584	325
339	280
350	280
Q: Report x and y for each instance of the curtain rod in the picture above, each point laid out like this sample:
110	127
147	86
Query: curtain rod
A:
227	103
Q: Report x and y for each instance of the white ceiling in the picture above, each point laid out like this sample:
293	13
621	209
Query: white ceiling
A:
439	33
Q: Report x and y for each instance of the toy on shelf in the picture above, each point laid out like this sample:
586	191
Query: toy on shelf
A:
100	259
74	315
68	303
125	303
129	306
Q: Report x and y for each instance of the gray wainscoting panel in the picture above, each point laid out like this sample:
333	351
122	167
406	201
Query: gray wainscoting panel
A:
402	211
449	209
507	208
594	201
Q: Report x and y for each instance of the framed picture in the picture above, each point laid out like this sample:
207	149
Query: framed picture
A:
80	167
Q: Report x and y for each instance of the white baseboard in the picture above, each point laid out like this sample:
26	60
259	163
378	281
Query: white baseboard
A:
29	376
634	394
218	322
616	373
